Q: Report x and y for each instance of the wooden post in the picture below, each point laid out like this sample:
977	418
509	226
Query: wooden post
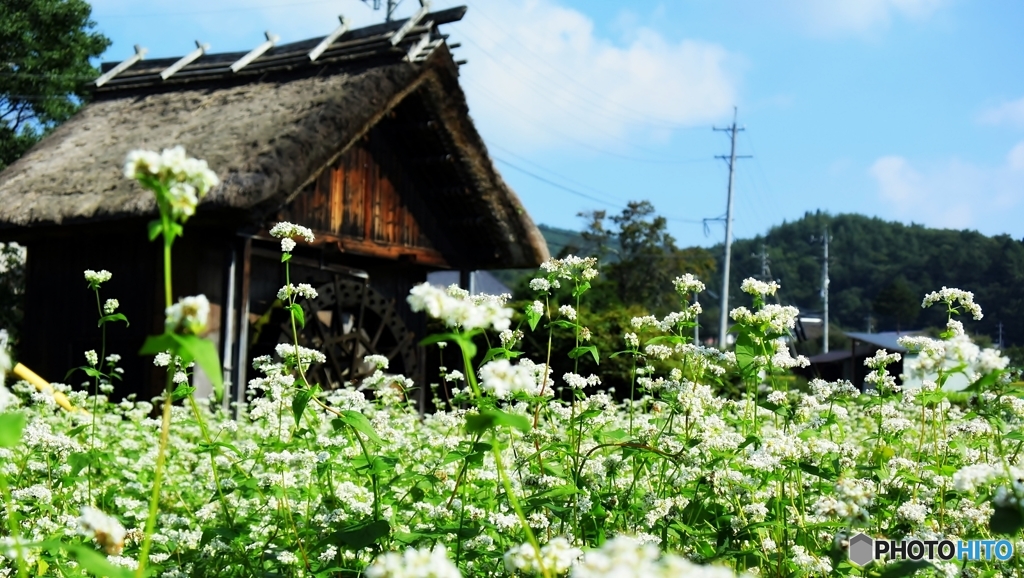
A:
243	323
228	317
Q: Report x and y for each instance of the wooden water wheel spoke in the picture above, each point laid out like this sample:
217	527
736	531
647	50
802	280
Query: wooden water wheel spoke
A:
346	322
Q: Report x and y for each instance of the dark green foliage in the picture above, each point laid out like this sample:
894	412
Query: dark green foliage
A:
12	289
898	302
639	259
869	257
45	47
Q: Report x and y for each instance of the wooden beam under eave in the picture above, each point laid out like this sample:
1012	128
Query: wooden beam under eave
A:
354	246
364	248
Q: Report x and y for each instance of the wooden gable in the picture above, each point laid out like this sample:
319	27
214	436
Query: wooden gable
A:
372	201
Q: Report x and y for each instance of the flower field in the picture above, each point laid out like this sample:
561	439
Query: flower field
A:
525	473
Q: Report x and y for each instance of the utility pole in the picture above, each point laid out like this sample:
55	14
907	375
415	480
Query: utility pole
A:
723	318
824	287
391	8
766	273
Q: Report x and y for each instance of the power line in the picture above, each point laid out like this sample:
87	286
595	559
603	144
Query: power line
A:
579	193
554	184
640	116
212	11
559	83
528	115
542	90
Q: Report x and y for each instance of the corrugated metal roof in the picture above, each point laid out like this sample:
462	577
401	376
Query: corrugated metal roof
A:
885	339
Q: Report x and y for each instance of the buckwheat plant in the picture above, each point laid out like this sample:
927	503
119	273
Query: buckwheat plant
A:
178	183
525	473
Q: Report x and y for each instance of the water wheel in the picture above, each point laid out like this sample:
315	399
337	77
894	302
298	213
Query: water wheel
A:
346	322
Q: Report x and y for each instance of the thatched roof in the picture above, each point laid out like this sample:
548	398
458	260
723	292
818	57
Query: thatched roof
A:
268	130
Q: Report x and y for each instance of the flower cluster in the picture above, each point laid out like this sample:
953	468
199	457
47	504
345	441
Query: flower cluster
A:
178	180
188	316
759	288
95	278
456	308
286	231
953	297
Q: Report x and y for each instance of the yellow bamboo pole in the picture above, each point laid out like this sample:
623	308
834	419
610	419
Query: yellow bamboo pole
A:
43	386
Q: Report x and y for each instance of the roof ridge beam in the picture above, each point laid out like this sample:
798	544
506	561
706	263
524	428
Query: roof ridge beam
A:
399	34
185	60
428	50
256	52
140	53
329	39
417	48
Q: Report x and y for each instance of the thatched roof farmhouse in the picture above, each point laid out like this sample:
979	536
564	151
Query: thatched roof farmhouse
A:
364	136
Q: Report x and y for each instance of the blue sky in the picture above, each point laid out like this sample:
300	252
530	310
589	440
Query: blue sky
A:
909	110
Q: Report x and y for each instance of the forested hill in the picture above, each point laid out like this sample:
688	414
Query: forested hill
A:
882	270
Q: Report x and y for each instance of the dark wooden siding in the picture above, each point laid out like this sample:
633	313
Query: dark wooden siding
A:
367	194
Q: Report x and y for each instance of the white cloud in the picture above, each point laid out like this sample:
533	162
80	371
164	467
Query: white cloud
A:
953	194
1007	113
540	74
859	16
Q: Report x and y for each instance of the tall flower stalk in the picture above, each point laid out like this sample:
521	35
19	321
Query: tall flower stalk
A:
179	183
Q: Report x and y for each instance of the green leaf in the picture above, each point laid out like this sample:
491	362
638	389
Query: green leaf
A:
112	317
155	228
581	289
182	391
491	354
745	352
12	424
158	344
562	323
904	568
285	257
1006	520
492	418
360	536
580	351
533	317
205	355
94	562
300	401
358	422
297	312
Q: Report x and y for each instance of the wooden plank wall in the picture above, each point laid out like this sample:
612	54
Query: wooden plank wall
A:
356	198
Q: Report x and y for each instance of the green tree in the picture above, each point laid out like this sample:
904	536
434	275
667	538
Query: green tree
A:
640	258
898	302
45	47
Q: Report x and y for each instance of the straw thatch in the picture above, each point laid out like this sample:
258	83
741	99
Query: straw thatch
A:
266	136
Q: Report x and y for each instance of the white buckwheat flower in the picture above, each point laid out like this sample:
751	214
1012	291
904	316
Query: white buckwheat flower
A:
414	563
287	230
92	358
110	306
761	288
568	312
188	316
106	530
95	278
951	296
287	244
688	284
501	379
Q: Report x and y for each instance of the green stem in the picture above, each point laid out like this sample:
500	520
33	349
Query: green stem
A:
515	506
154	499
12	524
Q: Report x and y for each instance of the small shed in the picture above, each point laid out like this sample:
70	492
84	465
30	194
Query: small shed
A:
363	135
848	363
